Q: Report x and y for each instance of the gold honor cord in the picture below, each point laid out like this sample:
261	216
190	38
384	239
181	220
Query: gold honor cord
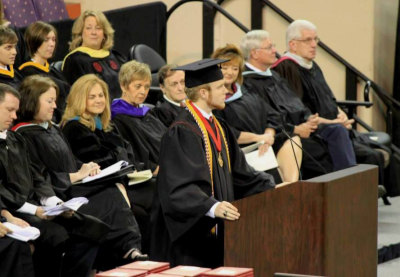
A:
206	140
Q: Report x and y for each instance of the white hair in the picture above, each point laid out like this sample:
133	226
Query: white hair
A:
252	40
295	28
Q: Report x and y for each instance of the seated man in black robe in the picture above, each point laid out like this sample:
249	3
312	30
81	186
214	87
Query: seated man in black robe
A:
15	255
172	84
202	169
259	52
57	251
305	77
8	53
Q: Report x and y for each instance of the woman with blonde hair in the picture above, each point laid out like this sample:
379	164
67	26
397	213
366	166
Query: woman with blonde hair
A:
87	127
91	51
253	119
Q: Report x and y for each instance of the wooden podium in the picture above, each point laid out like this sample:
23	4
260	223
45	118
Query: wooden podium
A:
323	226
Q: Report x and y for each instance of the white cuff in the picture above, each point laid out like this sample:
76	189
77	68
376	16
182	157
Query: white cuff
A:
51	201
28	208
211	212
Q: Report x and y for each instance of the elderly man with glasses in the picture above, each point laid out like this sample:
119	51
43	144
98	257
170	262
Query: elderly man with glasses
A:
305	77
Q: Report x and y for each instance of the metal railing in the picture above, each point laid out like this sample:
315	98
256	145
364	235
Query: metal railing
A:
352	73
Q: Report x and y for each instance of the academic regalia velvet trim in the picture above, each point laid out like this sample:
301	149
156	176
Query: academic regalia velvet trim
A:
105	64
185	191
141	128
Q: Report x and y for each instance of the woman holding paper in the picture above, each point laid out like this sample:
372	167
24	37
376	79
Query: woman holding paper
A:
252	119
88	129
53	159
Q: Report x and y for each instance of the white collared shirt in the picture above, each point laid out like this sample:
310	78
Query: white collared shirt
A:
171	101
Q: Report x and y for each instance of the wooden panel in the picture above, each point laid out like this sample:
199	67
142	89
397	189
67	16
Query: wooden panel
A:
317	227
351	225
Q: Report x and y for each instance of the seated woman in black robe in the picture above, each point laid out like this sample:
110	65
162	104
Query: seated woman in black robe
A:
41	40
87	127
55	165
92	40
142	128
134	120
253	118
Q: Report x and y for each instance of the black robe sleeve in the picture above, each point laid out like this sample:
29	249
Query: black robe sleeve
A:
130	130
75	67
246	180
184	183
290	71
50	182
104	148
17	181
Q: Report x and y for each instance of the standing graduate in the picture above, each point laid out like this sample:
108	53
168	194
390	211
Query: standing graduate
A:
41	40
172	84
134	119
57	251
91	51
57	167
305	77
202	169
8	53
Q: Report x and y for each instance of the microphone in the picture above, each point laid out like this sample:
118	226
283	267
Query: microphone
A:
283	121
302	149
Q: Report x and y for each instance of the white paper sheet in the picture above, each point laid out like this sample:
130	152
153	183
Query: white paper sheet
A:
23	234
72	204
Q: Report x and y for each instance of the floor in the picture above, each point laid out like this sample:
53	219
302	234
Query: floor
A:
389	233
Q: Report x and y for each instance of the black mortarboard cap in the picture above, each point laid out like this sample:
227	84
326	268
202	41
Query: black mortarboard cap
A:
202	72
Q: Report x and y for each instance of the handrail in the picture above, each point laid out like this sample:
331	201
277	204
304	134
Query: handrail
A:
215	6
385	97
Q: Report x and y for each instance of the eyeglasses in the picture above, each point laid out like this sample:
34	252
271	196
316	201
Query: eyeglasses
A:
309	40
269	48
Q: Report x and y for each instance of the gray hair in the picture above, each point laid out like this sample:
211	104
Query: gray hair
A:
252	40
295	28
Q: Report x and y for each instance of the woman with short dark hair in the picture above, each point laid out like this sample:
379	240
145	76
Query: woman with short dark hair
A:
41	40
